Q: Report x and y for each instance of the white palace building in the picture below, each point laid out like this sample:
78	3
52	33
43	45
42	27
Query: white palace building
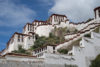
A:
80	55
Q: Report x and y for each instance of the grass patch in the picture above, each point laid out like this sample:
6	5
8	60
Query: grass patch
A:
21	51
87	35
51	40
97	30
63	51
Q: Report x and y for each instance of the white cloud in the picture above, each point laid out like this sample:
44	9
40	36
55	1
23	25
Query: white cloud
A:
75	10
12	14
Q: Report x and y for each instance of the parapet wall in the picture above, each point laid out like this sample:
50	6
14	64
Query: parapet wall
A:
28	64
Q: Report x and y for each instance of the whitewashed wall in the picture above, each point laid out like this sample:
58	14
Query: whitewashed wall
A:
44	30
97	14
82	55
28	42
22	58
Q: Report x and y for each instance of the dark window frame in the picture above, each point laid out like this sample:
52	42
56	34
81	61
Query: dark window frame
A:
28	27
18	38
53	47
22	38
99	12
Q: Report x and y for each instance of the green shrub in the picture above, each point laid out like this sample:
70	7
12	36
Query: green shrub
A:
51	40
96	62
63	51
55	37
87	35
70	65
21	50
97	30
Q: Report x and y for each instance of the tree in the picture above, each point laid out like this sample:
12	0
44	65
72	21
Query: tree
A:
55	37
39	42
51	40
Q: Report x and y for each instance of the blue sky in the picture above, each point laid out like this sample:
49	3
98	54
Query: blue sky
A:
14	14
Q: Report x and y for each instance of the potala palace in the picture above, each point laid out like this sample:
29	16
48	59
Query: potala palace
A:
82	40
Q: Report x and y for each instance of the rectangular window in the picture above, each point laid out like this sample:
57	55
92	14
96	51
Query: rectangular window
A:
42	49
99	12
28	27
33	36
35	52
18	38
22	38
54	18
38	55
45	48
53	48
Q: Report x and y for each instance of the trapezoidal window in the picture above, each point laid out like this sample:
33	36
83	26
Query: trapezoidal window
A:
18	38
22	38
99	12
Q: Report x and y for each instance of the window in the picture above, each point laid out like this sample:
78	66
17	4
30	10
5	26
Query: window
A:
54	18
61	19
28	27
38	55
53	48
42	49
33	36
70	53
22	38
35	52
18	38
45	48
99	12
